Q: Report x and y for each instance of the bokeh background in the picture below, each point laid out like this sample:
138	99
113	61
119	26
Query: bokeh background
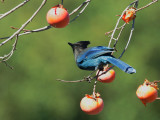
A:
31	92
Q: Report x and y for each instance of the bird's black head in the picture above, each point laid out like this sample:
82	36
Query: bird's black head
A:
79	45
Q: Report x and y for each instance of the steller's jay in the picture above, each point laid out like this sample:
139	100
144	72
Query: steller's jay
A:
94	58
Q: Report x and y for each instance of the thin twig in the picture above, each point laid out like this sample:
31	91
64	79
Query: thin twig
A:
131	32
12	10
112	36
158	98
7	57
107	33
25	24
22	30
153	1
88	78
117	25
85	4
79	7
94	89
116	40
32	31
5	62
71	81
130	36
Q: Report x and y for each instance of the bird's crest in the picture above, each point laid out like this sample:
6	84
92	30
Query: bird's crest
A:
82	44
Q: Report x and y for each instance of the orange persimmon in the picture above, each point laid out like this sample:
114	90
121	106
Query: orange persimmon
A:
90	105
58	16
129	15
147	93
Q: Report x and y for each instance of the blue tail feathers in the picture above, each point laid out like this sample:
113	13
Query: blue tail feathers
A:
122	65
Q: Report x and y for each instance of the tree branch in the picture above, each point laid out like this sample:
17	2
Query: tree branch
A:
112	35
25	24
107	33
12	10
7	57
94	89
130	36
79	7
85	4
153	1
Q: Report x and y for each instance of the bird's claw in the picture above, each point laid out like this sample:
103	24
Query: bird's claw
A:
88	78
115	49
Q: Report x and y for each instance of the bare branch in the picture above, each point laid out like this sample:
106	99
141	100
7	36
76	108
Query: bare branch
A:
118	23
22	30
36	30
12	10
153	1
116	40
107	33
117	28
75	10
25	24
8	56
85	4
32	31
71	81
94	89
88	78
130	36
95	83
5	62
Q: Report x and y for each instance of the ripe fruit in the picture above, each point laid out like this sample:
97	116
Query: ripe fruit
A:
107	77
58	16
129	15
147	92
90	105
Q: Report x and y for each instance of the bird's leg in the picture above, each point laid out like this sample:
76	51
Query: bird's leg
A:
89	78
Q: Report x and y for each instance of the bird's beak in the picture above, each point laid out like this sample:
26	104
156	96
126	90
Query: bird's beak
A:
70	44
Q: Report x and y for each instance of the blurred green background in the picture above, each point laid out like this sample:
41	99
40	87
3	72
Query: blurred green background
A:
31	92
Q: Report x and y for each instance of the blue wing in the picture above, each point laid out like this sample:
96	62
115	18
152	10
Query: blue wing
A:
93	52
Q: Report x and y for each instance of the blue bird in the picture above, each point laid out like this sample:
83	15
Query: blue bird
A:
94	58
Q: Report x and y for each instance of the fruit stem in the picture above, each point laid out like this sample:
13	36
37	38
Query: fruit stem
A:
158	98
60	5
94	90
153	84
